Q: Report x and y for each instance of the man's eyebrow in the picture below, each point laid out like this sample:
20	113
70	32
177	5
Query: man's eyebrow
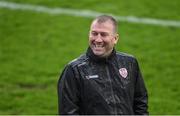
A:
99	31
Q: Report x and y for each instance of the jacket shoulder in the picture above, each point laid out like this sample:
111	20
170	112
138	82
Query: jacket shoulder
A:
125	56
122	54
78	61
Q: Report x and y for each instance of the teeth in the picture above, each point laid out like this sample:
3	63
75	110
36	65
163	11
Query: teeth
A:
98	46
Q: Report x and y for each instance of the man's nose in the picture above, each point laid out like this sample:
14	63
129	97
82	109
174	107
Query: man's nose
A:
99	38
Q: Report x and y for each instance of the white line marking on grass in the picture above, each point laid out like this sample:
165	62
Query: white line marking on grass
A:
87	13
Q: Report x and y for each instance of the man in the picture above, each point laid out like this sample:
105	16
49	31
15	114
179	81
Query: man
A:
102	81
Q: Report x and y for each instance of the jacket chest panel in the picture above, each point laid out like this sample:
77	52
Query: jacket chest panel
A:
101	80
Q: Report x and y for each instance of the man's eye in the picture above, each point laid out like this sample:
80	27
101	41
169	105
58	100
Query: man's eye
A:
94	33
104	34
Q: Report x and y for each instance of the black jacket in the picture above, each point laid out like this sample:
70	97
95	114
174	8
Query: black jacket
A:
93	85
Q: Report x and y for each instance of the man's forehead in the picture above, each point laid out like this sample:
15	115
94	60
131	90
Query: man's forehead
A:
108	22
103	26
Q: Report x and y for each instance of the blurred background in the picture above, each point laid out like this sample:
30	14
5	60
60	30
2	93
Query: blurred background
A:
35	45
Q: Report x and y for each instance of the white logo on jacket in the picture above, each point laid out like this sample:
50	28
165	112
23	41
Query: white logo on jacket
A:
92	76
123	72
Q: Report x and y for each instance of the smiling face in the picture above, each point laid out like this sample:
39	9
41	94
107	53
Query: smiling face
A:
102	38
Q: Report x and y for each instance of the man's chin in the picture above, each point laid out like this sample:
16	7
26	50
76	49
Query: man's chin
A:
98	53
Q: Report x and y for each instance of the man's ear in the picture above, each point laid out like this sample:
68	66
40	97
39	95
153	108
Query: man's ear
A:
116	38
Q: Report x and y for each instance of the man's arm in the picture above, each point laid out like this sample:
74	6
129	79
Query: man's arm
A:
68	92
140	95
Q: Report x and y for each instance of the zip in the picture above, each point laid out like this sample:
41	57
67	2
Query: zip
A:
112	92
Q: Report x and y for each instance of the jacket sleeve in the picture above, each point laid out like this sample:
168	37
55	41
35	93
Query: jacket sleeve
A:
68	94
140	95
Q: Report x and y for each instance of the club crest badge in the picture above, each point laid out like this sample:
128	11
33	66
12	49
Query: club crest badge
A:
123	72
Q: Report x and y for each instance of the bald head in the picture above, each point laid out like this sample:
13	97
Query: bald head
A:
105	18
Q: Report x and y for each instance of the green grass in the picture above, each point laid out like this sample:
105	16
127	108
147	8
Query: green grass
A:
35	47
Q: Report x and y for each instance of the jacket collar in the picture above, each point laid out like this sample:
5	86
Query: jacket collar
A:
96	58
